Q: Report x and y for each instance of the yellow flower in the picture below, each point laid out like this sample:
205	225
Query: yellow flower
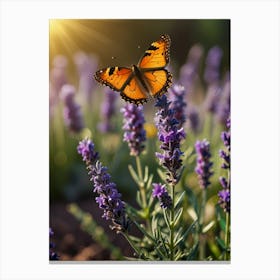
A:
151	130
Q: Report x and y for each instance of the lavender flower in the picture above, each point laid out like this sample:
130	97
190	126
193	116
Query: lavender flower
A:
161	193
224	194
86	150
86	66
178	104
189	71
107	110
53	256
203	166
223	108
133	125
109	199
193	118
213	61
72	111
170	135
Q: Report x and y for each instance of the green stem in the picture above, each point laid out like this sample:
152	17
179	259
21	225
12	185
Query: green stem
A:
130	241
201	223
141	183
172	223
226	256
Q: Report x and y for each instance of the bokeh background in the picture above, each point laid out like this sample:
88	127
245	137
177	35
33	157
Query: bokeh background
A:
78	48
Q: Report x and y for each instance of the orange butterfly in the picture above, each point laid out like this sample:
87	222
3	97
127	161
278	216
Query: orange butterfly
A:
148	79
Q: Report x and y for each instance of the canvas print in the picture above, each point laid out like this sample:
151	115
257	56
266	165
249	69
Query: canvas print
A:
139	140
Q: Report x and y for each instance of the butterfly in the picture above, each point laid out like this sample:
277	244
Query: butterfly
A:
147	79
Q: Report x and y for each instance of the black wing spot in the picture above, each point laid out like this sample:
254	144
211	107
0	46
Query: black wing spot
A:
147	54
152	48
111	71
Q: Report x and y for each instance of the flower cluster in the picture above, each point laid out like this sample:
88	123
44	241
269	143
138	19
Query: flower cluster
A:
161	193
213	61
133	125
109	199
170	135
53	256
178	104
107	111
189	71
72	111
224	194
203	165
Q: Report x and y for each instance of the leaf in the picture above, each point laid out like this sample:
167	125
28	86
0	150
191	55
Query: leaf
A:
192	199
154	225
193	252
133	174
179	199
146	174
178	216
139	199
166	218
142	229
221	243
190	229
208	227
192	213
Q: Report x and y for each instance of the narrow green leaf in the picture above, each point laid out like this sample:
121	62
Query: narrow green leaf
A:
141	228
179	199
192	199
192	213
149	183
221	243
154	225
146	174
193	252
178	216
139	199
190	229
133	174
163	242
166	218
208	227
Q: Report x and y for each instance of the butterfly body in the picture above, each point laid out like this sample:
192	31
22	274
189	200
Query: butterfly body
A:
140	82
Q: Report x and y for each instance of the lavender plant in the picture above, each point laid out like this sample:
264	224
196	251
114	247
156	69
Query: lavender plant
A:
53	256
108	110
169	220
72	111
224	194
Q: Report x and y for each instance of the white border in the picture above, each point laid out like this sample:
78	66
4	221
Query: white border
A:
24	138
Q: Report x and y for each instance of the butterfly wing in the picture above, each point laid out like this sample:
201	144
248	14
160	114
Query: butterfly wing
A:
114	77
152	66
158	81
123	80
157	55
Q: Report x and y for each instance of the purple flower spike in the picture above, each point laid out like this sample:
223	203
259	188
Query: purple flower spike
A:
72	111
224	194
213	61
108	111
53	256
178	104
203	166
189	71
170	135
133	125
161	193
109	199
86	150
